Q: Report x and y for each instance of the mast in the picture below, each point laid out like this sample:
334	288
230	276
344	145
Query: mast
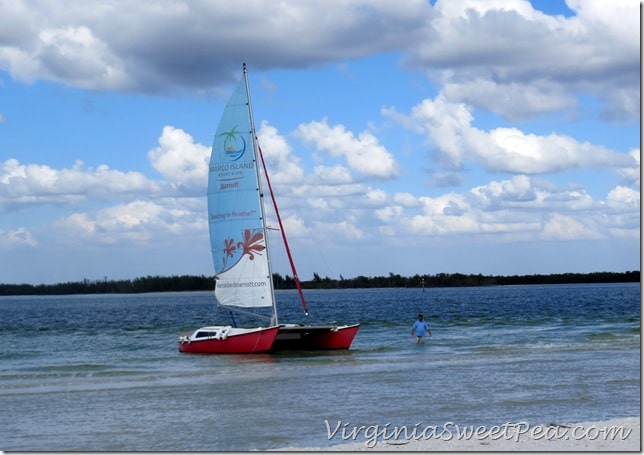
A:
261	195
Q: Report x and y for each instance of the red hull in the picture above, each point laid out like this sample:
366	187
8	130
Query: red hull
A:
244	343
314	338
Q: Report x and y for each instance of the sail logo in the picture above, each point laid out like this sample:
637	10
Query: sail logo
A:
228	186
234	144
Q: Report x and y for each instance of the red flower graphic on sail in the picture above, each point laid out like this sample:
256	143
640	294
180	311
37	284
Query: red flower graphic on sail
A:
229	250
251	245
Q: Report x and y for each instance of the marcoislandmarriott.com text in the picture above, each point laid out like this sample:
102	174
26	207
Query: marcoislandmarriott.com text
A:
451	431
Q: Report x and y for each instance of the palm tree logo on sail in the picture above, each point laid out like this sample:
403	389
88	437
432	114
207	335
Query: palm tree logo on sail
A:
234	144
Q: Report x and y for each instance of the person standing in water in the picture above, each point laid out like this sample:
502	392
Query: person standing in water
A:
420	329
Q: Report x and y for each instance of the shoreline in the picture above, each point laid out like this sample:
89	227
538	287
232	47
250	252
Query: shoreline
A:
614	435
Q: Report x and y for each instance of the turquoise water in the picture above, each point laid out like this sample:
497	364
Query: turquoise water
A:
103	372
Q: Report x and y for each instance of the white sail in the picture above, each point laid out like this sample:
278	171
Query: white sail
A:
235	212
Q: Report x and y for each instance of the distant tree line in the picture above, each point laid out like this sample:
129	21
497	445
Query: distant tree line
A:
206	283
138	285
459	279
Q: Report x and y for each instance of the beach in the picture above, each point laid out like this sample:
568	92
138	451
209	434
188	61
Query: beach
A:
615	435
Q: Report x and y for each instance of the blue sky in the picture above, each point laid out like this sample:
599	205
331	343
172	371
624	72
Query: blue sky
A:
494	137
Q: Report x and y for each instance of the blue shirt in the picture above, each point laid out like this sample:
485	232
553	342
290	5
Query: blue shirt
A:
420	327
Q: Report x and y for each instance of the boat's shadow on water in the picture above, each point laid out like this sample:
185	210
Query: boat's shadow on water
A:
276	357
316	356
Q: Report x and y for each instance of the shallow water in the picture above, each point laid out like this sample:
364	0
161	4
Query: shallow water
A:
103	373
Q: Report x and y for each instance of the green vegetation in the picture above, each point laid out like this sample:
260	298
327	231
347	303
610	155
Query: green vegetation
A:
204	283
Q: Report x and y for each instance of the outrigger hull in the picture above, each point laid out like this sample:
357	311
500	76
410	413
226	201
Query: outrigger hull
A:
227	340
314	338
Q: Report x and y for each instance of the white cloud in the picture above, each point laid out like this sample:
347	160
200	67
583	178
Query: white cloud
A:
183	163
333	174
500	55
295	227
529	153
494	194
388	214
180	160
506	57
16	238
631	174
437	219
75	56
284	167
517	209
363	153
449	126
562	227
136	221
626	198
513	100
115	49
31	184
342	230
406	199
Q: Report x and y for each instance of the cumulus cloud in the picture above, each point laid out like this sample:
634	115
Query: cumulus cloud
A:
363	153
631	174
624	198
506	57
333	174
516	101
562	227
137	221
74	55
106	45
283	165
519	208
16	238
180	160
494	194
449	127
342	230
500	55
503	56
32	184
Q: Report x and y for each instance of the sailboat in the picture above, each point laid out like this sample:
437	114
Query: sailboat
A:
240	251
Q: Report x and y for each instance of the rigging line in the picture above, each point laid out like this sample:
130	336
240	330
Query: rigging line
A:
319	251
259	335
298	285
257	151
316	239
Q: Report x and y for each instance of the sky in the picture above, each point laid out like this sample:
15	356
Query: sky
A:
499	137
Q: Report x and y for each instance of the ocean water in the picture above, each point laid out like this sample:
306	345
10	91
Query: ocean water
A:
103	372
